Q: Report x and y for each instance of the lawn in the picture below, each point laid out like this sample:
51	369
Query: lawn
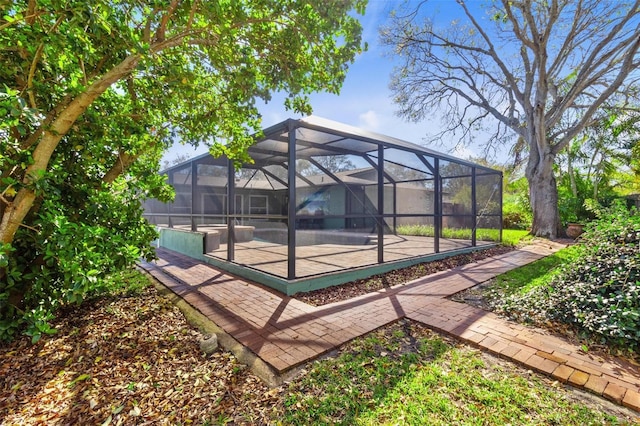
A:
510	237
407	374
132	358
521	280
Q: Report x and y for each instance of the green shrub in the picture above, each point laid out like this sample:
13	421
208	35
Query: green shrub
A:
599	292
73	254
516	214
516	208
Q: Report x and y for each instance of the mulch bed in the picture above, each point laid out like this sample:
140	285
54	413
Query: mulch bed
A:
400	276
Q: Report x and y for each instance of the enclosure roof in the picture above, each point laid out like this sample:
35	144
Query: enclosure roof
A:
316	136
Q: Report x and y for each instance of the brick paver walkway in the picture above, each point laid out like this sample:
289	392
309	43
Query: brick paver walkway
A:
285	332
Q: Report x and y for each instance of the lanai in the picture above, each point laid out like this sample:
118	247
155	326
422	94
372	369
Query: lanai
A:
363	203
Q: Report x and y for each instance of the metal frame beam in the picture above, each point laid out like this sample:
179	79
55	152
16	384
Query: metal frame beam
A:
336	149
291	208
474	207
326	171
389	144
194	183
501	206
274	177
437	206
307	181
380	169
375	166
431	168
231	210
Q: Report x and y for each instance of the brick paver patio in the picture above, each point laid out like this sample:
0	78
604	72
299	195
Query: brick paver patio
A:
285	332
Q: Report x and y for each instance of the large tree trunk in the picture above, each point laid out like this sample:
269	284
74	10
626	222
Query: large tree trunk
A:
17	209
543	195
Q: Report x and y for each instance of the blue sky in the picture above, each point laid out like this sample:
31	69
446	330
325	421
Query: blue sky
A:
365	100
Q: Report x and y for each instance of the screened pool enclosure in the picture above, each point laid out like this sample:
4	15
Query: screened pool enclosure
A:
325	203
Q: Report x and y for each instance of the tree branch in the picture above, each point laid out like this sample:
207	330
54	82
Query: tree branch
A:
32	72
162	27
122	163
627	66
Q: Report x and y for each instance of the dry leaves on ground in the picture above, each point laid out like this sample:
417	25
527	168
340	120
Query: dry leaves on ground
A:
132	360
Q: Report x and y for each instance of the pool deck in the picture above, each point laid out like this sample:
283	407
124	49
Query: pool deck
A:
286	333
271	258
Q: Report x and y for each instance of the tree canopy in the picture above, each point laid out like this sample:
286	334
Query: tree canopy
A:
535	71
92	93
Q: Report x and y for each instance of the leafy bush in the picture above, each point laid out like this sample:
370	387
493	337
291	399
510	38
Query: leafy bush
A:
81	238
599	292
516	214
516	209
515	218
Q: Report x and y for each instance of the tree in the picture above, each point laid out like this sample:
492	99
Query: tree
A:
333	163
541	71
595	167
181	158
92	93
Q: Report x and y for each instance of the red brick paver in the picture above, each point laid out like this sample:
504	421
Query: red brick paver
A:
285	332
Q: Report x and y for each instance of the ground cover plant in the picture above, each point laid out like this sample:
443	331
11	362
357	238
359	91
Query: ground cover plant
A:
132	358
595	289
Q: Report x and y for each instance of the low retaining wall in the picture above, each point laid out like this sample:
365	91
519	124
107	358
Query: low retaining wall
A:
195	244
243	233
186	242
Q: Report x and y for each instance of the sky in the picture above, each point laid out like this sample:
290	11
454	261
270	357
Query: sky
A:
365	100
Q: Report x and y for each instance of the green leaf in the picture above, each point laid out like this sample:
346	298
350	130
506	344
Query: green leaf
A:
81	378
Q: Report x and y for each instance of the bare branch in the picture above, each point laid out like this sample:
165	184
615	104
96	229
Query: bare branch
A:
539	69
625	69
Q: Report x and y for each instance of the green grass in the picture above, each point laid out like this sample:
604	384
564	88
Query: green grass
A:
510	237
513	237
540	272
405	374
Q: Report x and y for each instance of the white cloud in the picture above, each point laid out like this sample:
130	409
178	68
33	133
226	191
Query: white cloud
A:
369	120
